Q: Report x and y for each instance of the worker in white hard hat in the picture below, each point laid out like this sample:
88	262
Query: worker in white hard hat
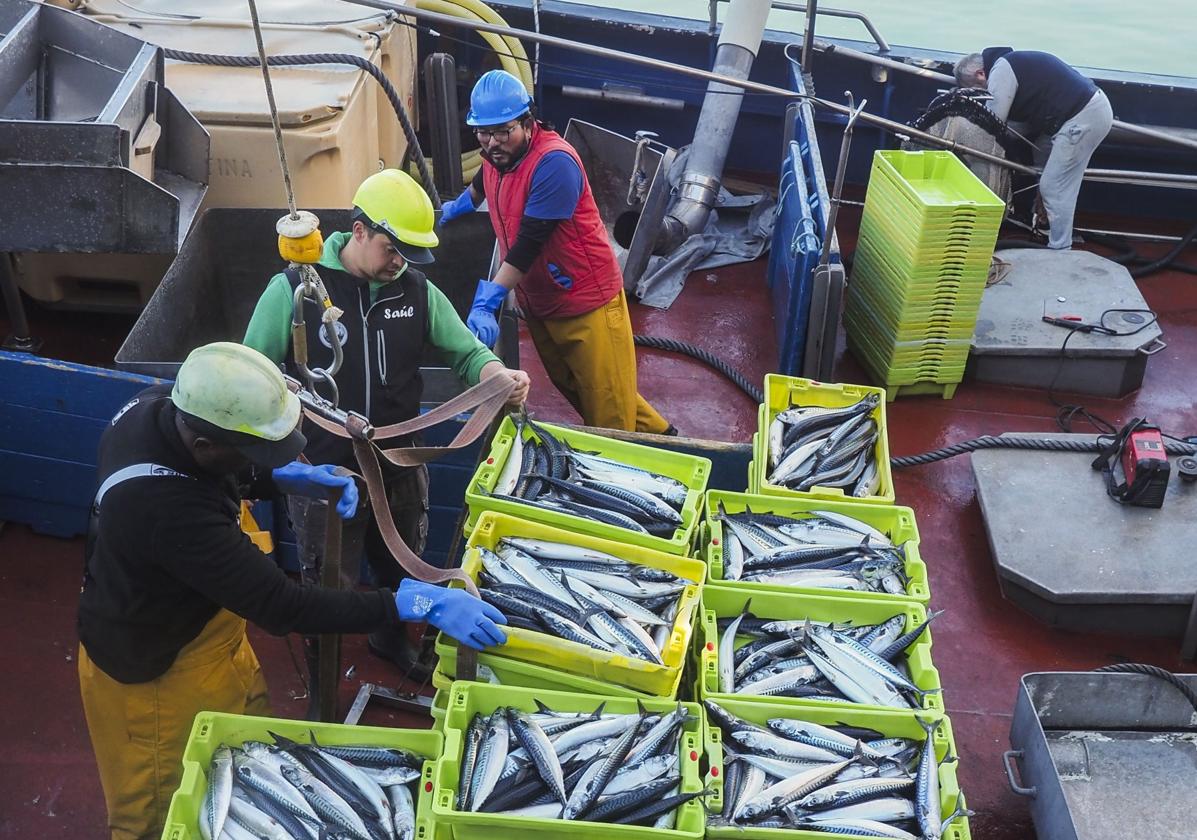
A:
171	579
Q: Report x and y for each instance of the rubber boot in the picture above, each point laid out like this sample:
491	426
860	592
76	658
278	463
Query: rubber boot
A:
393	644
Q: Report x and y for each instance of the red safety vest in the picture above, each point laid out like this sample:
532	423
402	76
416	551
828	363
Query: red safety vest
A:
576	271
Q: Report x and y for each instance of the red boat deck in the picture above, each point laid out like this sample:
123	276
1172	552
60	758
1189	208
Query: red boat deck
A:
983	644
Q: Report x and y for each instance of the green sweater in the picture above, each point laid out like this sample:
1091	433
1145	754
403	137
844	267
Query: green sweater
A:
269	329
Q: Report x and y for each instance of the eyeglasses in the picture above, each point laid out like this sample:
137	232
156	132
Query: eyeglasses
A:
484	135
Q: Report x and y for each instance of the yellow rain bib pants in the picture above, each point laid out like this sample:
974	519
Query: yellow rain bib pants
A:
139	731
592	360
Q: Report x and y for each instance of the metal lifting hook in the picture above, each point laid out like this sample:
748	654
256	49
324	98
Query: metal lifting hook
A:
312	288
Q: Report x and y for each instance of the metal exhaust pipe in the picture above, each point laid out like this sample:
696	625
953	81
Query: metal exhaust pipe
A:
698	188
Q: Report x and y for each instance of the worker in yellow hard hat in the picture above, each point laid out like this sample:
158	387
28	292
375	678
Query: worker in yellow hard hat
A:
171	579
391	310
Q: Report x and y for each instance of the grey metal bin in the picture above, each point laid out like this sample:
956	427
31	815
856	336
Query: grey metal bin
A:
1105	756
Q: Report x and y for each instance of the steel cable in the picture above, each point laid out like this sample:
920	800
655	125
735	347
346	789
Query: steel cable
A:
1028	443
1151	671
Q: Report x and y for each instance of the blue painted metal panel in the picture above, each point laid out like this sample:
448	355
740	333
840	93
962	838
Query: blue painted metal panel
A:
798	233
793	255
52	414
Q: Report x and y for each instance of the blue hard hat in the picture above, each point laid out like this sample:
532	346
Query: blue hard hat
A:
498	97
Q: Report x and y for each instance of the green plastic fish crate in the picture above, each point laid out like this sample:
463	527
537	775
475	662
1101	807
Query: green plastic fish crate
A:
870	341
782	392
466	699
901	328
500	670
888	227
897	523
577	659
690	470
881	341
211	729
888	723
726	601
947	286
938	185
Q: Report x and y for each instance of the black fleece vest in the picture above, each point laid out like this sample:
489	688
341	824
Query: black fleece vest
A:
382	342
1050	93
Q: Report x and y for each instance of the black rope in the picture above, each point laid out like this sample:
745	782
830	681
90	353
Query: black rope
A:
1028	443
1151	671
964	102
703	356
409	131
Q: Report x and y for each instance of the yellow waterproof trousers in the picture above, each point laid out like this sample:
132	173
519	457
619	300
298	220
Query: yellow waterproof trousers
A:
592	361
139	731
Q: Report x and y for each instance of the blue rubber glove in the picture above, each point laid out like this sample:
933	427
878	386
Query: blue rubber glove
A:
470	620
482	321
459	206
299	479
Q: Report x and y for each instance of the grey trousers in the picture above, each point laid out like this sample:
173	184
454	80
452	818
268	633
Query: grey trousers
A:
407	496
1071	148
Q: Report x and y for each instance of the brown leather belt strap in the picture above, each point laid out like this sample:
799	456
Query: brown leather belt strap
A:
487	399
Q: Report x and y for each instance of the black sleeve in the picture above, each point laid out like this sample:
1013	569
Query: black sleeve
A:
209	552
477	185
529	242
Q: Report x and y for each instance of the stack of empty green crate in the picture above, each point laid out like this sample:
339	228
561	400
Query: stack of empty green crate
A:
926	241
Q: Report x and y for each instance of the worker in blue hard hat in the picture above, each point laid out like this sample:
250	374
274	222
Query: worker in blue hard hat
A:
171	579
555	255
391	310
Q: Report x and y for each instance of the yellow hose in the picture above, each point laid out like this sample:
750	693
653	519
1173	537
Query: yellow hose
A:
510	52
483	12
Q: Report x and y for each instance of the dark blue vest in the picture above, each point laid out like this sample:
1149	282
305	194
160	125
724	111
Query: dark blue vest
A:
1050	93
382	342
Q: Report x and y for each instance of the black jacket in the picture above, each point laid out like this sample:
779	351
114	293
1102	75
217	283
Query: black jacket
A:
168	553
382	342
1050	92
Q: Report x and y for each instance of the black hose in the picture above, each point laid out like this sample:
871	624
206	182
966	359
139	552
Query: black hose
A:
409	131
1164	261
1007	244
994	442
1151	671
703	356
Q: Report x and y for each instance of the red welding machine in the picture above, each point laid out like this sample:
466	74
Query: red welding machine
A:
1135	464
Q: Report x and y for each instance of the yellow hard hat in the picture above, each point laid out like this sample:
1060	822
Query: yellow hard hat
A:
392	202
236	396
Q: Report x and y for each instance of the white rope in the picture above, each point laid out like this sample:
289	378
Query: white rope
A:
278	129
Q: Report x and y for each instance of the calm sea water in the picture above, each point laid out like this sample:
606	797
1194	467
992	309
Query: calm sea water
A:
1148	36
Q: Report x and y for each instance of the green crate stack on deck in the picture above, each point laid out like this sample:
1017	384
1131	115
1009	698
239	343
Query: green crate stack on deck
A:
926	241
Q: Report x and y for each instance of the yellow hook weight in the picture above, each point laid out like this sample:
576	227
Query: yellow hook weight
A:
299	238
